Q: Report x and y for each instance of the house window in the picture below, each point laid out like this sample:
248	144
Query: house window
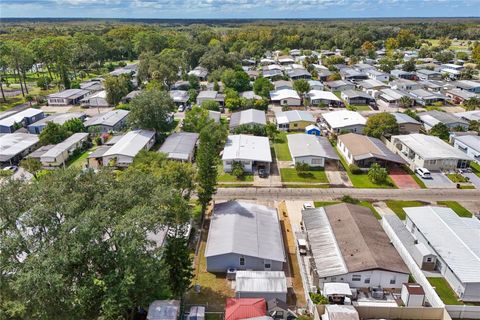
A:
333	278
317	161
295	125
367	280
242	261
393	281
429	259
356	277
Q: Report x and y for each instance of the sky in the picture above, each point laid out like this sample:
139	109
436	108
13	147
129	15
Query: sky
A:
223	9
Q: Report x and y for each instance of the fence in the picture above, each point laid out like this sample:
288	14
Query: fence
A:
419	313
464	312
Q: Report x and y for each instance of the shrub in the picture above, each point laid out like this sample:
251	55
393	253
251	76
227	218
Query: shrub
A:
349	199
354	169
237	169
301	168
377	174
318	298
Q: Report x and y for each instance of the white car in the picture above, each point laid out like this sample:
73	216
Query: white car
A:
308	205
424	173
11	168
181	108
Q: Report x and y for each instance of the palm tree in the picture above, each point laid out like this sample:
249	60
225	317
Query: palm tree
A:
405	102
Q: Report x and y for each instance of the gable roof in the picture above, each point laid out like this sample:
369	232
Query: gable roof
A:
322	95
293	115
179	145
245	228
303	145
59	118
110	118
404	118
65	145
245	308
434	116
250	116
19	116
131	143
364	147
281	94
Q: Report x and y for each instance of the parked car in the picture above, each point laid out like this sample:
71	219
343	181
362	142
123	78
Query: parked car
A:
308	205
262	172
181	108
302	246
424	173
11	168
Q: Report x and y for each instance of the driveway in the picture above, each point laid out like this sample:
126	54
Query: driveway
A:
474	179
438	181
402	179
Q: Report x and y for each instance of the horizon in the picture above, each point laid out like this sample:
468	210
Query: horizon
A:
238	10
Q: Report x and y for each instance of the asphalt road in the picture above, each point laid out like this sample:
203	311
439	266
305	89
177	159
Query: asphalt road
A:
430	195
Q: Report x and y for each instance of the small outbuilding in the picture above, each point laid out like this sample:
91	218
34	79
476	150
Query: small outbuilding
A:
245	308
412	295
261	284
313	130
164	310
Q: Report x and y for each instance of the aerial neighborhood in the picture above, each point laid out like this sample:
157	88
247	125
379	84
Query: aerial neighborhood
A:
240	171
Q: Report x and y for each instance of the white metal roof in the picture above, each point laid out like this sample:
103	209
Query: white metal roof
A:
131	143
470	141
18	117
110	118
330	288
260	281
12	144
341	312
245	228
281	94
69	94
293	116
247	147
343	118
322	95
430	147
59	118
180	145
455	239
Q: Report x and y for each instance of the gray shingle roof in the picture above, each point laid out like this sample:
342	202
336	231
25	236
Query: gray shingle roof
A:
180	145
302	145
250	116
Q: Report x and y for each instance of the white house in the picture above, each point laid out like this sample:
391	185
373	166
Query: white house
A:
121	154
344	121
378	75
249	150
455	240
286	97
428	152
293	120
59	154
348	245
310	149
67	97
15	146
433	117
470	145
326	98
96	100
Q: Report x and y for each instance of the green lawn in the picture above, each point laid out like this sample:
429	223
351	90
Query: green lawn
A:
281	147
79	160
360	107
444	291
362	180
227	177
475	168
457	178
398	205
455	206
319	204
311	176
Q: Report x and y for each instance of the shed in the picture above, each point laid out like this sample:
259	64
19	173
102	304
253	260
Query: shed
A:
313	130
164	310
339	312
197	313
261	284
412	295
245	308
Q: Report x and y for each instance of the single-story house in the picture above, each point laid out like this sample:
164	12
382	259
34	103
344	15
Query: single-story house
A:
285	60
310	149
245	308
96	100
15	146
392	97
164	310
323	74
350	74
297	74
58	118
261	246
293	120
180	97
372	86
316	85
378	75
428	152
93	85
458	96
67	97
354	97
121	154
214	115
473	115
452	70
326	98
425	98
59	154
250	95
363	67
180	146
431	118
339	85
470	145
114	120
468	85
128	69
405	85
200	72
364	151
407	124
210	95
400	74
344	121
14	121
247	117
455	241
272	74
261	284
249	150
434	85
286	97
313	130
348	245
128	98
425	74
282	84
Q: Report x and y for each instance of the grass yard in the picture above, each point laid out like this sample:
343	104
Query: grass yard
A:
281	147
458	208
80	159
227	177
475	168
457	178
398	205
360	107
319	204
311	176
444	291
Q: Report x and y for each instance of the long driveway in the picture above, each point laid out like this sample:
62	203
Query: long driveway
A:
430	195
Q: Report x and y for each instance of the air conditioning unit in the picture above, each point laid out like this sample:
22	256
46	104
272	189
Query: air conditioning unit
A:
231	273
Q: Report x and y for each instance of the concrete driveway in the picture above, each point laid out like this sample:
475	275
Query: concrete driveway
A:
438	181
474	179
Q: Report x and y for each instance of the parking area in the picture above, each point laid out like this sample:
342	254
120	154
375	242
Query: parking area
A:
438	181
402	179
474	179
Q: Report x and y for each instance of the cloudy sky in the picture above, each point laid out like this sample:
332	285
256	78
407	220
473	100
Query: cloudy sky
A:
177	9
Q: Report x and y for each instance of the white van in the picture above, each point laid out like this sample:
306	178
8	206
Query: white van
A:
424	173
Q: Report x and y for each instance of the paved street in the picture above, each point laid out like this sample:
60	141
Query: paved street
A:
470	195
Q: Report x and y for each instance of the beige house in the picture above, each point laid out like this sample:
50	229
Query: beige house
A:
58	155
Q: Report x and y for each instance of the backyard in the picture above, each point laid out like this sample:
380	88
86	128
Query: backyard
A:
444	291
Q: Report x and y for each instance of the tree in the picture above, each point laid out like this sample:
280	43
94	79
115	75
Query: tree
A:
472	103
262	86
74	125
253	129
440	130
31	165
196	119
406	38
386	64
467	73
474	125
237	169
117	87
391	44
193	82
211	105
412	114
237	80
444	42
151	110
179	265
381	124
409	66
476	53
53	133
301	86
29	98
43	83
377	174
271	130
405	102
368	48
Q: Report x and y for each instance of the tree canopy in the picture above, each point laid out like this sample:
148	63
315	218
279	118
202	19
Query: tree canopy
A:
381	124
151	110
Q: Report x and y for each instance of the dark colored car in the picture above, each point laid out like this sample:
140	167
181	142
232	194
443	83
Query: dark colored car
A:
262	172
